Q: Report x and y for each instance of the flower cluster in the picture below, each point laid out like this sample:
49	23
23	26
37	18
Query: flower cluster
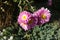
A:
28	20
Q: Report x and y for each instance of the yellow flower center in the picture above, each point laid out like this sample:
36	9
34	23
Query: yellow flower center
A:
43	16
24	17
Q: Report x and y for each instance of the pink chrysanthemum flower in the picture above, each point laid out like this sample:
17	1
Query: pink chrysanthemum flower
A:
24	16
43	15
30	24
26	20
32	21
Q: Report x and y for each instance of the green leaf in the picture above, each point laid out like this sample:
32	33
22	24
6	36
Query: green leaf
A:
14	0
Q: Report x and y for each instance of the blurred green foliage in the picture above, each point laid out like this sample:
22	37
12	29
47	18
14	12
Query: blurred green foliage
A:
48	31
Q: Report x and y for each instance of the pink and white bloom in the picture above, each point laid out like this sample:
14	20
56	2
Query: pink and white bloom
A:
30	24
26	20
43	15
24	16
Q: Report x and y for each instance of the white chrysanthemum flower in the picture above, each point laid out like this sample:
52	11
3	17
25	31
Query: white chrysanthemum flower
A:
4	30
1	33
8	39
4	37
11	38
